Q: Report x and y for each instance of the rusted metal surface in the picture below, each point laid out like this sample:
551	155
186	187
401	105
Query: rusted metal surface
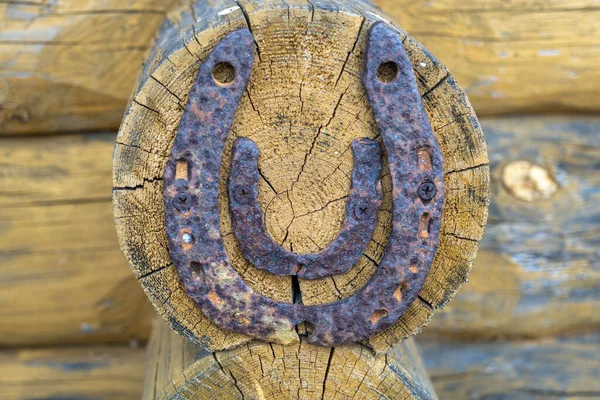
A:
261	250
191	185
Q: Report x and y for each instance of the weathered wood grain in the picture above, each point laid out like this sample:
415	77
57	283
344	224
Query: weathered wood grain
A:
82	373
538	271
512	56
565	368
62	276
178	369
304	104
70	65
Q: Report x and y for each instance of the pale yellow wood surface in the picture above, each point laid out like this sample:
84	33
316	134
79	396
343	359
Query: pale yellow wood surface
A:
62	276
512	56
538	271
98	373
552	369
178	369
304	104
71	64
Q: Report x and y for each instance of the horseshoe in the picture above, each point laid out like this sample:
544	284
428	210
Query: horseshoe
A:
258	247
191	183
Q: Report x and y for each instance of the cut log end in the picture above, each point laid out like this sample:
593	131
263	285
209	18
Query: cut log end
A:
179	369
303	106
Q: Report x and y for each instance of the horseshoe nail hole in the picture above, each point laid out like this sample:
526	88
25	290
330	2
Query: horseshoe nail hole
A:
424	159
241	319
378	315
399	292
214	299
196	267
199	277
181	169
305	328
223	74
296	291
387	71
424	225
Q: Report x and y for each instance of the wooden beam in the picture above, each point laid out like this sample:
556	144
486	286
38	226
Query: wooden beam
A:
306	77
177	369
63	277
549	369
99	373
538	272
512	56
70	65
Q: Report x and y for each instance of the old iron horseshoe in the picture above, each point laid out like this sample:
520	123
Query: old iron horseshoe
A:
191	184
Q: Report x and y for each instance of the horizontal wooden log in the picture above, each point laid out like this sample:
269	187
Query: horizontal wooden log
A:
71	64
304	104
82	373
567	368
178	369
539	283
512	56
63	277
538	271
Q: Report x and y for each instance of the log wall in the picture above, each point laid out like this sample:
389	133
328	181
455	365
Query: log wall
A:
62	276
538	270
532	278
82	373
71	65
561	368
512	56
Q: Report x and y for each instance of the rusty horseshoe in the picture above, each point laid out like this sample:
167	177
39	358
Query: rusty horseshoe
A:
191	195
262	251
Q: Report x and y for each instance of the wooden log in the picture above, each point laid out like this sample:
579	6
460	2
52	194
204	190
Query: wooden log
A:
512	56
69	65
63	277
538	272
550	369
306	78
85	373
179	369
73	173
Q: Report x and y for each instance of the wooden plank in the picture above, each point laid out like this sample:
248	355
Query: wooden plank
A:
83	373
63	278
512	56
538	271
550	369
178	369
